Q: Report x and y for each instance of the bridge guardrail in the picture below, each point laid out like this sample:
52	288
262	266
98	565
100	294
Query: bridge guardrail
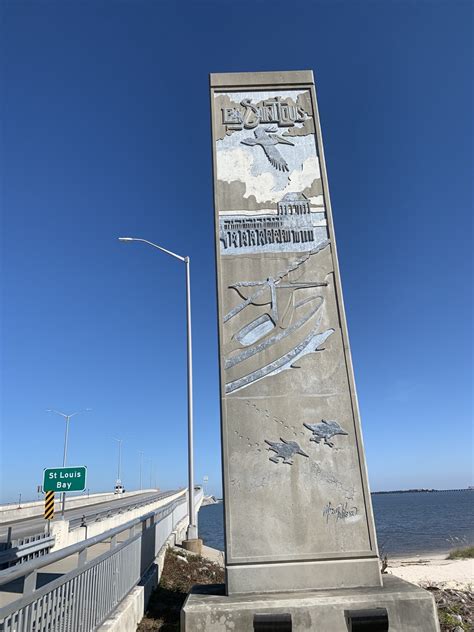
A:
84	520
14	511
25	549
81	599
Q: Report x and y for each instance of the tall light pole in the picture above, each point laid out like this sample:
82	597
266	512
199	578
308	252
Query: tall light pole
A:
151	472
119	465
141	467
192	528
67	418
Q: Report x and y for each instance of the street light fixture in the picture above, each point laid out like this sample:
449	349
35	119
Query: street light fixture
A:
141	467
119	466
192	528
67	418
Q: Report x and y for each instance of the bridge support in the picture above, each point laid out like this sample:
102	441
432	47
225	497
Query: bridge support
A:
194	545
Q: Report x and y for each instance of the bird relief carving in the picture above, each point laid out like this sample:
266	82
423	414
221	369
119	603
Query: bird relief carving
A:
285	451
267	139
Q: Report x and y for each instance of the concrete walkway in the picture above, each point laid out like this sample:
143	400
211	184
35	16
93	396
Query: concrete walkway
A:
11	592
213	555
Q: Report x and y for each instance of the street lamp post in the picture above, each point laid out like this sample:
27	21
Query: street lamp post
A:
192	528
66	436
141	467
119	465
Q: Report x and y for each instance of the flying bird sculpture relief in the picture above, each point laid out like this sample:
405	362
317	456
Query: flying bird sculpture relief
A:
324	431
284	451
268	139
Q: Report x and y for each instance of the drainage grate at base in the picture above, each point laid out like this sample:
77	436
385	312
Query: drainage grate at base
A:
272	623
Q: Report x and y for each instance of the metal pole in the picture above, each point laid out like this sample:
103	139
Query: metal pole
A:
68	417
119	459
141	460
192	527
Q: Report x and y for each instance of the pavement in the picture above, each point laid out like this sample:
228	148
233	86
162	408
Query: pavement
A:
36	524
14	590
213	555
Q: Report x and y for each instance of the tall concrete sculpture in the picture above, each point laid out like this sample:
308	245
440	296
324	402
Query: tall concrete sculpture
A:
298	514
296	494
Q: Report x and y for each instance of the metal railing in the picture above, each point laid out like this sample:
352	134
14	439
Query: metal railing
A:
85	519
83	597
24	549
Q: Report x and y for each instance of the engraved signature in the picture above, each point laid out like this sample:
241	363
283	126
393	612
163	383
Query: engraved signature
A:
340	512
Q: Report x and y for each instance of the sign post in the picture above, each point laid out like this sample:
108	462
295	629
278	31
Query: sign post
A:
49	505
65	479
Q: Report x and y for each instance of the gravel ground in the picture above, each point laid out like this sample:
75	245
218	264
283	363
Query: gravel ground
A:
455	608
180	572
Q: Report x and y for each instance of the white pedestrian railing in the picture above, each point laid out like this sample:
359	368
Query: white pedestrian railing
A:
82	598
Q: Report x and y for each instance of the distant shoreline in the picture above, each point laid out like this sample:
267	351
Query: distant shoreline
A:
423	491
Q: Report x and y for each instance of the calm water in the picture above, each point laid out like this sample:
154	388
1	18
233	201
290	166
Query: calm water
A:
407	524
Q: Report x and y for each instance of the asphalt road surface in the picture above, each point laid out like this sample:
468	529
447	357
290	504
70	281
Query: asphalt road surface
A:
36	524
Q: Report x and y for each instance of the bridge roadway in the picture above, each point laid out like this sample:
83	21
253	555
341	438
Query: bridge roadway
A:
36	524
54	570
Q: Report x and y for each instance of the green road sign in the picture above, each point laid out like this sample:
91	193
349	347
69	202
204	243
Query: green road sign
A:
65	479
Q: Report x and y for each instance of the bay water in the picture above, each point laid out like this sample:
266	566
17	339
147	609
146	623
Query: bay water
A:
408	523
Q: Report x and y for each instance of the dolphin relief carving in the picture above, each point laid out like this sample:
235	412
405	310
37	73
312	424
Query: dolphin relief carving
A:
272	327
310	344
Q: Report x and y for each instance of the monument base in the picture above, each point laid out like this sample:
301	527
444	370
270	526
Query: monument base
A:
408	609
314	575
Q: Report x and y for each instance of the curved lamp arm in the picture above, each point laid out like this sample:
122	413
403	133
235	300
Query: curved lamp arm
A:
150	243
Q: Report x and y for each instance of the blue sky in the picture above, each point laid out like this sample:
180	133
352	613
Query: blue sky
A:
105	132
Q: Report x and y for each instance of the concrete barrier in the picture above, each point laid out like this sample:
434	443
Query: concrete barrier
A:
64	537
12	512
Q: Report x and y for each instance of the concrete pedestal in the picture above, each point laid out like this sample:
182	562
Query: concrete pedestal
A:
409	608
193	546
313	575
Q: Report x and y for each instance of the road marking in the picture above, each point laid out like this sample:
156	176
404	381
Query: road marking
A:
49	505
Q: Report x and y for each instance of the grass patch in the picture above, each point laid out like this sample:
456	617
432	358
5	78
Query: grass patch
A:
455	608
462	554
449	622
181	571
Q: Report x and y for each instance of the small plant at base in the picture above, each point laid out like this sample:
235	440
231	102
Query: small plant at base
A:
462	553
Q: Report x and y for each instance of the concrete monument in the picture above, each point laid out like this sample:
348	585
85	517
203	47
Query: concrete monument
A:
298	514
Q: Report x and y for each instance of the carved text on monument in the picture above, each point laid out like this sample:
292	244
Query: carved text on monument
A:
248	116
